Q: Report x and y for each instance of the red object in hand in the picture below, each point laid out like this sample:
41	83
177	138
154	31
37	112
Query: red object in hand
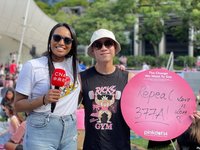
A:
58	78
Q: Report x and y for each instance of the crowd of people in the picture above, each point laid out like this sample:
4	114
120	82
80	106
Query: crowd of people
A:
8	78
98	88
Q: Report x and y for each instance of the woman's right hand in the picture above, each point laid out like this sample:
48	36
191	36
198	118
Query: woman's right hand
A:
53	95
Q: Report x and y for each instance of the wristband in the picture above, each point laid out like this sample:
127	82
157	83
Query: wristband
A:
43	100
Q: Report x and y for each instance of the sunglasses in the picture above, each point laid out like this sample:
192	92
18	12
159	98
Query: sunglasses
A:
106	43
57	38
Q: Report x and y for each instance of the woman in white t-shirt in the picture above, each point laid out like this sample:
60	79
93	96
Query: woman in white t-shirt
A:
49	128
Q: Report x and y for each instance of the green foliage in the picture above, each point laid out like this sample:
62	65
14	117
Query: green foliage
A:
136	61
89	62
116	60
197	40
85	59
185	61
196	17
152	27
103	14
180	32
3	119
45	7
63	17
71	3
119	16
162	60
149	60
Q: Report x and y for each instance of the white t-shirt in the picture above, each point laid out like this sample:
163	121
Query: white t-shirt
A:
34	82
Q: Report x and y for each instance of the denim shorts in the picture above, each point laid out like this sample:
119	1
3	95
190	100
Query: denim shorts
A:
46	131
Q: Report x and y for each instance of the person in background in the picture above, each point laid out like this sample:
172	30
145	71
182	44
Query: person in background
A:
13	67
82	66
12	123
9	83
145	66
2	95
13	120
45	129
2	70
16	140
102	86
8	97
190	139
123	60
2	81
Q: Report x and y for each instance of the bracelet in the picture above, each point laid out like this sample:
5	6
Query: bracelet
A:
43	100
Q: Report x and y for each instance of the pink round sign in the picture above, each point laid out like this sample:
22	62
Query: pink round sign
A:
157	104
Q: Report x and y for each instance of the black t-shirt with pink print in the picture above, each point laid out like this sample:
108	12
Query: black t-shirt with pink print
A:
105	128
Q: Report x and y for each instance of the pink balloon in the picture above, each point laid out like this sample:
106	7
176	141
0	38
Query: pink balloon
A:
157	104
80	114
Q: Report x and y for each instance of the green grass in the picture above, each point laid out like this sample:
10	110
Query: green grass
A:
2	119
140	142
143	143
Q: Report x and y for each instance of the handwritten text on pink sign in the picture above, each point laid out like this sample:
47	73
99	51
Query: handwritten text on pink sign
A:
157	104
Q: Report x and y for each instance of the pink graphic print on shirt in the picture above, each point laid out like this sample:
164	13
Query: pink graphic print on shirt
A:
104	106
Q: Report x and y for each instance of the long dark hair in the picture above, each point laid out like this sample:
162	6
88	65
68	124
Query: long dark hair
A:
12	91
195	130
73	51
5	99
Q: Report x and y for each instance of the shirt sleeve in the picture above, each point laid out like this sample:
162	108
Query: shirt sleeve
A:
24	81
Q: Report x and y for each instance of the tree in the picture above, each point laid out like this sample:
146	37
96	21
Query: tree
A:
49	10
152	30
106	14
154	14
188	11
119	16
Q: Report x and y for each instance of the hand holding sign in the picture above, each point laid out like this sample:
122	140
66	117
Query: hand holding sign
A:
157	104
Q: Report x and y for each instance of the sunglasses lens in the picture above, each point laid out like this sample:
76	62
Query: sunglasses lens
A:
57	38
97	45
108	43
67	40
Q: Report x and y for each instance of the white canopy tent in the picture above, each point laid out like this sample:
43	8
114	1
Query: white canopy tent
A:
37	28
